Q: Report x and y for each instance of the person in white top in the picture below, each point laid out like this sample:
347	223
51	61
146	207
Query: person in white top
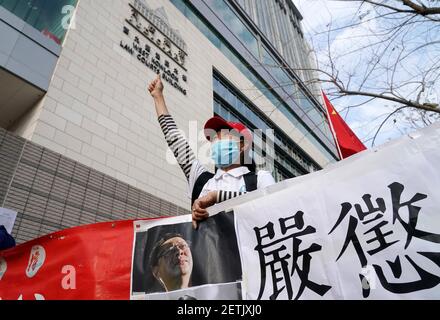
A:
230	146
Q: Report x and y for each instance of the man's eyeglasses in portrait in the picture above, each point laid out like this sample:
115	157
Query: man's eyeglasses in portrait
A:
172	248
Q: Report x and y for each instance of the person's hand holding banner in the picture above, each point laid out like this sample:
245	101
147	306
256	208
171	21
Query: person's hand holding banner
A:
199	212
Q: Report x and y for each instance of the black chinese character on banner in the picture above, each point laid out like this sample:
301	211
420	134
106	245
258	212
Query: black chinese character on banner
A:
380	233
283	263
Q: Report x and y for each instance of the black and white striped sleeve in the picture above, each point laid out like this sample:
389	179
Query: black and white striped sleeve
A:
226	195
177	143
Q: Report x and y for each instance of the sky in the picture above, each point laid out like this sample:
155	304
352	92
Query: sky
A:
364	120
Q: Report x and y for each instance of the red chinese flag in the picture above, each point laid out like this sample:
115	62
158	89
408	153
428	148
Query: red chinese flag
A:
347	140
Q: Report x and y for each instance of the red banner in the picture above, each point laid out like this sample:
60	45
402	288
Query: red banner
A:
87	262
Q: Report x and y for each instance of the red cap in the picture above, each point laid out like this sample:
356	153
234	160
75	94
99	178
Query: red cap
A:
217	123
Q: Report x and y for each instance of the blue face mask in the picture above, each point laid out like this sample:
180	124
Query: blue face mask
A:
225	152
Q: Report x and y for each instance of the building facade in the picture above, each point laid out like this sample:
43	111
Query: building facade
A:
80	139
280	22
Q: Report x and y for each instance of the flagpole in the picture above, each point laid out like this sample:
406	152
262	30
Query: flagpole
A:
331	125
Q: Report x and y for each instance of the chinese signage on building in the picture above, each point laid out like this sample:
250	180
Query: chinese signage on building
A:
155	44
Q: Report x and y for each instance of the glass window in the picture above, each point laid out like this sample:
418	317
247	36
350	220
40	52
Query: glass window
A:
47	16
238	28
274	67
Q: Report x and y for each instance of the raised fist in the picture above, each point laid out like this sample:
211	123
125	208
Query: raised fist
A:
156	87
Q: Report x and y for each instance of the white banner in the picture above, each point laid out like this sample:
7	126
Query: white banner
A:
365	228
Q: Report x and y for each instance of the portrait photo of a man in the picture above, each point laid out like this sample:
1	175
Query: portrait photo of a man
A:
174	257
